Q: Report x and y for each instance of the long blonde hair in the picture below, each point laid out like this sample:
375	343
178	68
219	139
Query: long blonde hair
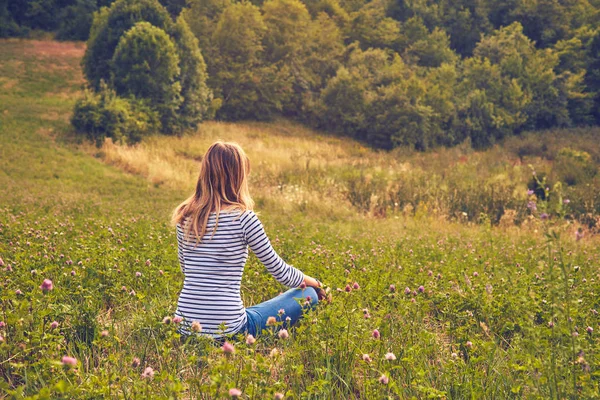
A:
223	180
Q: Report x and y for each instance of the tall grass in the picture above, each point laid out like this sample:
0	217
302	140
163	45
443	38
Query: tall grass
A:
503	312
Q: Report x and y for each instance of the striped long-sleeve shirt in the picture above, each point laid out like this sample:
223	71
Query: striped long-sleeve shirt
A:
213	271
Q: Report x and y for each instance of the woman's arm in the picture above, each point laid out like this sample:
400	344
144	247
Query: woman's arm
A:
259	243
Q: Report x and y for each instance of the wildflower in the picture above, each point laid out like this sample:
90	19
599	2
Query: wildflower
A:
124	288
234	392
53	325
579	234
1	339
390	356
166	320
407	290
132	292
488	288
288	319
177	319
148	373
413	300
18	292
544	216
196	327
138	274
366	358
274	352
303	285
250	340
453	355
228	348
148	263
136	362
279	396
551	324
529	192
355	286
73	273
271	321
2	324
104	333
1	262
589	330
384	379
575	334
532	206
566	201
281	311
71	361
475	274
376	334
421	289
348	288
47	285
469	344
392	288
161	272
283	334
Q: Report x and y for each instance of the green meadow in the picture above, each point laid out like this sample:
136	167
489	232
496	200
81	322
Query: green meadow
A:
473	293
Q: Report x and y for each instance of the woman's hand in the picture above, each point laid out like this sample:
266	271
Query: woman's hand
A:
322	292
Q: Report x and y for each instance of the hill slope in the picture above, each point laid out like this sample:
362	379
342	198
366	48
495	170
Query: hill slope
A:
500	313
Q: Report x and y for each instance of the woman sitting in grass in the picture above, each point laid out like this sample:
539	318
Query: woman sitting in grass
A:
215	226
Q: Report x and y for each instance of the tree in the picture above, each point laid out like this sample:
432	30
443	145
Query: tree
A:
247	87
433	50
202	17
372	28
76	20
108	27
533	70
146	66
196	95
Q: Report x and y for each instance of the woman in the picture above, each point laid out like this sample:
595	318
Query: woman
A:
215	226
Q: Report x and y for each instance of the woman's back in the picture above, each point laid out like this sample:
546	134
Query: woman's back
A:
213	271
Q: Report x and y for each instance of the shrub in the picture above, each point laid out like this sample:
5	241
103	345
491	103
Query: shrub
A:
104	114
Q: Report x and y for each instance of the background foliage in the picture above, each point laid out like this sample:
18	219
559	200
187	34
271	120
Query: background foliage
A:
456	70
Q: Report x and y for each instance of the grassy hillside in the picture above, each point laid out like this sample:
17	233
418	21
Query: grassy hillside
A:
503	312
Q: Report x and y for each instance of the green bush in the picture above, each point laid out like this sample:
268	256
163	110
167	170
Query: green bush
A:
108	27
146	66
104	114
141	54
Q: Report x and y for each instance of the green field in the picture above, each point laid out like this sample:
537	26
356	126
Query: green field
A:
507	310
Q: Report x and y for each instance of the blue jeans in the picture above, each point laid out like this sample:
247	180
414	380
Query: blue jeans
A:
259	313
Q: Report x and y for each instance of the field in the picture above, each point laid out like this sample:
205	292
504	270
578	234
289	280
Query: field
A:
467	302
